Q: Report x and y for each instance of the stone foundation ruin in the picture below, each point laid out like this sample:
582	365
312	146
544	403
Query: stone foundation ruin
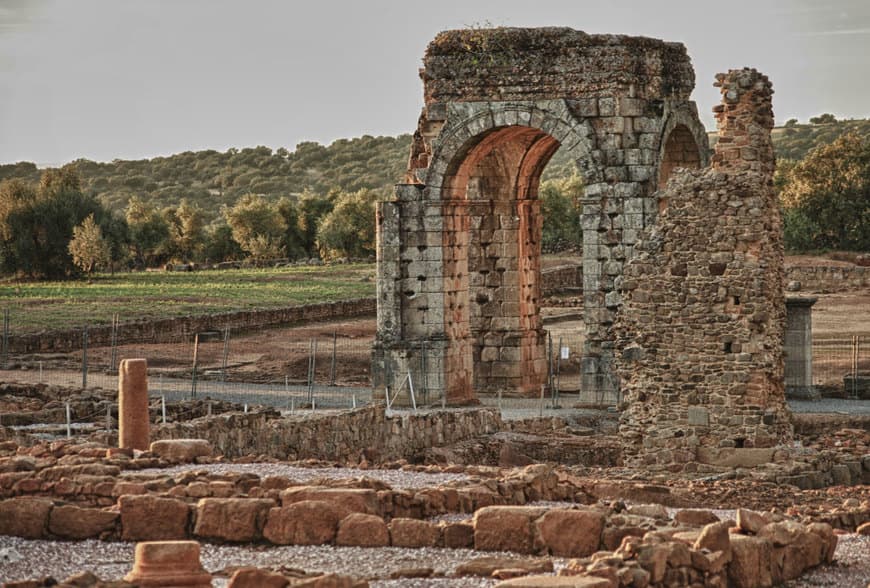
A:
702	321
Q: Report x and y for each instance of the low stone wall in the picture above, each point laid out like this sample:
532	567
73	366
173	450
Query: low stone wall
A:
169	329
828	278
555	279
366	432
562	278
759	550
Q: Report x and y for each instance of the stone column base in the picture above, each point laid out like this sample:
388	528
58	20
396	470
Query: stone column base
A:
440	372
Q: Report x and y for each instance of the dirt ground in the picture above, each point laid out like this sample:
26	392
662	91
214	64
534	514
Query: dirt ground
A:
342	349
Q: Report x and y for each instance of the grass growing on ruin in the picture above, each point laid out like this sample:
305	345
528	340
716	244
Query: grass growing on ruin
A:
34	306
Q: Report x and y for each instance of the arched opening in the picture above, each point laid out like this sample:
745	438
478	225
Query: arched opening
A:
493	256
680	151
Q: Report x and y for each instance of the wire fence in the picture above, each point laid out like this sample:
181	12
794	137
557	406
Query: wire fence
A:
841	366
326	372
304	369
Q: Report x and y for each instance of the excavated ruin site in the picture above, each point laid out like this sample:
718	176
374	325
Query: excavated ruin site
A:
702	476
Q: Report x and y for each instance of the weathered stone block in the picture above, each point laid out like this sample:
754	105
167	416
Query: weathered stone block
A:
231	519
73	522
152	518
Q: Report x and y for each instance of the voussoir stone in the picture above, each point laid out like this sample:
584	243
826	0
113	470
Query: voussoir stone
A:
232	519
153	518
181	450
309	522
571	532
362	530
24	517
73	522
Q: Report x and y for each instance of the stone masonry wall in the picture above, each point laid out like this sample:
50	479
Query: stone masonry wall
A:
171	329
701	326
828	278
352	434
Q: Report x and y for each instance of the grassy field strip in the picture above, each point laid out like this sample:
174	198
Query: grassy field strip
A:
34	306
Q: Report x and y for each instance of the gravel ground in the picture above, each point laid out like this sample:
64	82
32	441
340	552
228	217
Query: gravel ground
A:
395	478
28	559
851	569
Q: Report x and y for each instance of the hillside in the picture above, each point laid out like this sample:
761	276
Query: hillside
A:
211	178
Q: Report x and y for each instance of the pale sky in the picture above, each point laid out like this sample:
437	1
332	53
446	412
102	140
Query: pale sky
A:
106	79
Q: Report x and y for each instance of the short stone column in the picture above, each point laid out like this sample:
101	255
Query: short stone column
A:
168	563
133	417
799	348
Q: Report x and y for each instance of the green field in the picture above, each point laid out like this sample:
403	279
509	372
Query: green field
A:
34	306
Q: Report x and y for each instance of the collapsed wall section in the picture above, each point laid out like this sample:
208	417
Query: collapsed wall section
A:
701	326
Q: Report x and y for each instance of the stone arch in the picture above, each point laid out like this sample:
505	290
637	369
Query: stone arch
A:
471	123
486	172
613	110
683	145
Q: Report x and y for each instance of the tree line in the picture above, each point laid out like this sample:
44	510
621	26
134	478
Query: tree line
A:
319	202
55	229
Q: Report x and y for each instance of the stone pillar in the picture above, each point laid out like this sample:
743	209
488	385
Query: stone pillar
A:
799	347
168	563
133	418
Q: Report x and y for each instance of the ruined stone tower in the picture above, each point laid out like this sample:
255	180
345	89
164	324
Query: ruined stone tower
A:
459	246
701	327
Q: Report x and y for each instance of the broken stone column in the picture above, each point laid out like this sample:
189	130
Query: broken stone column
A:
133	418
799	348
168	563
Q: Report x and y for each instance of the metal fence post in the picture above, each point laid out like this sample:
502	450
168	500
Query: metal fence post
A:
195	358
85	358
424	393
5	338
332	366
557	380
311	371
68	422
226	353
114	342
